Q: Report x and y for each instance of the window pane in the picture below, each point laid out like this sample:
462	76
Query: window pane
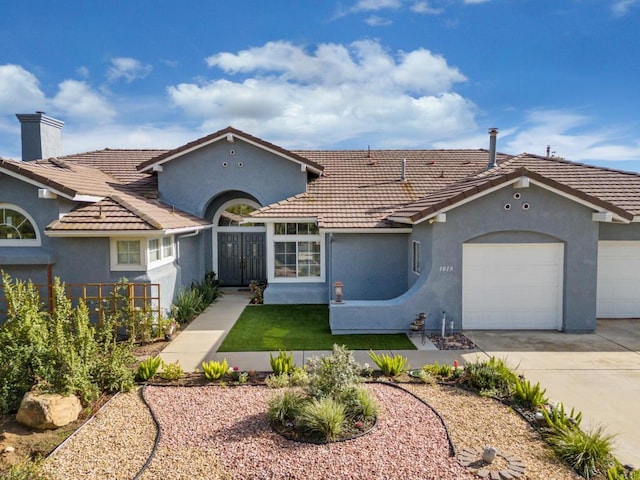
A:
154	250
128	252
292	228
167	247
15	226
279	229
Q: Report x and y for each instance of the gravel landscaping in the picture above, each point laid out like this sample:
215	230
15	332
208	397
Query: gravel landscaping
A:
223	433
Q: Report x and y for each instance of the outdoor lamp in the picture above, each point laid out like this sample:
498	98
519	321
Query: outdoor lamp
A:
337	290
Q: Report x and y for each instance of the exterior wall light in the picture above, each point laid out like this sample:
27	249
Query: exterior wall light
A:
337	291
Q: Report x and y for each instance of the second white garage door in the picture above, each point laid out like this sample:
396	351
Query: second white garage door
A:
618	279
512	286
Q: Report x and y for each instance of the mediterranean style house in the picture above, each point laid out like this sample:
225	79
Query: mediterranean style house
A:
489	240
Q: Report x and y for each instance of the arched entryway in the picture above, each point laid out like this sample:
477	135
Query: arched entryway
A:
239	248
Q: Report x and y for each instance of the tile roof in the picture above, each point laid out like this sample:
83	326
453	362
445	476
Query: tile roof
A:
125	213
121	206
360	188
234	132
611	190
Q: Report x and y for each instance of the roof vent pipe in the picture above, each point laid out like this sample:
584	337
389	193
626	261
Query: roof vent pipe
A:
493	134
404	169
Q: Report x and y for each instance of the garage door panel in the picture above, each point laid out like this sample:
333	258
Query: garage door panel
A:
512	286
618	279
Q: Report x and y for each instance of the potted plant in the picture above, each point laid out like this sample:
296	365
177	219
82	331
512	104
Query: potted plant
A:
170	328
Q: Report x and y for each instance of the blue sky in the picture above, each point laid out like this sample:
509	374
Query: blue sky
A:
329	74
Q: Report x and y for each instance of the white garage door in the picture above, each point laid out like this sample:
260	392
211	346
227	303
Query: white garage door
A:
618	280
512	286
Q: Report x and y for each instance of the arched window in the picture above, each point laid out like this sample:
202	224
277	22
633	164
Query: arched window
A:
16	227
235	214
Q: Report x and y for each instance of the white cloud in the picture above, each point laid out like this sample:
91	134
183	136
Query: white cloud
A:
376	21
127	68
621	7
77	100
374	5
573	136
19	90
332	94
425	8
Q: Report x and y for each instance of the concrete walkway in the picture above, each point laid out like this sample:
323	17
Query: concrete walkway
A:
598	373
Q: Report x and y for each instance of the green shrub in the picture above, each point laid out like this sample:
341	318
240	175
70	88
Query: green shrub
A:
618	472
213	370
286	406
528	395
331	374
27	469
440	371
257	292
359	403
171	371
322	419
426	377
299	377
588	453
187	305
209	290
283	363
61	352
113	373
278	381
490	377
558	420
148	368
390	366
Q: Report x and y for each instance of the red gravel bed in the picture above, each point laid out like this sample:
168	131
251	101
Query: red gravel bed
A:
409	441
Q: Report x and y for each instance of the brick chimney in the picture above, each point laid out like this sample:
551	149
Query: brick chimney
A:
41	136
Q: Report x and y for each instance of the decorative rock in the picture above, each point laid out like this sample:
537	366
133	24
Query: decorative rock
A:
494	475
505	475
489	454
45	411
483	473
9	449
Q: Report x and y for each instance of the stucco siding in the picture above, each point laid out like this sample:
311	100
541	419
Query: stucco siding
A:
370	266
439	286
191	181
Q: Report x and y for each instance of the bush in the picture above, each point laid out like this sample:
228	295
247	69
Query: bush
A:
322	419
618	472
490	377
61	352
286	406
171	371
558	420
283	363
187	305
214	370
209	290
299	377
25	470
358	403
330	375
528	395
440	371
390	366
148	368
588	453
257	292
278	381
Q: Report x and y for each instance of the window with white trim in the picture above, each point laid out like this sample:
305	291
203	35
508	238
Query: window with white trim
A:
297	251
16	227
415	257
128	252
159	251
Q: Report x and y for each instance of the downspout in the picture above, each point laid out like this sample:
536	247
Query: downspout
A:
330	268
180	237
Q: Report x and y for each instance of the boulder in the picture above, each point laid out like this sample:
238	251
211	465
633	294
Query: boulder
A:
46	411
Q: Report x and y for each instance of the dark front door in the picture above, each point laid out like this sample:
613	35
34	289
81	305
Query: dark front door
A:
241	257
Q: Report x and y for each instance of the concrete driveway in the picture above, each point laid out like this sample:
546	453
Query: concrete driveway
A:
598	374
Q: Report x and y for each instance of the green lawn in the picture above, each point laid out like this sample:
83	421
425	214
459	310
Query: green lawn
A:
299	327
